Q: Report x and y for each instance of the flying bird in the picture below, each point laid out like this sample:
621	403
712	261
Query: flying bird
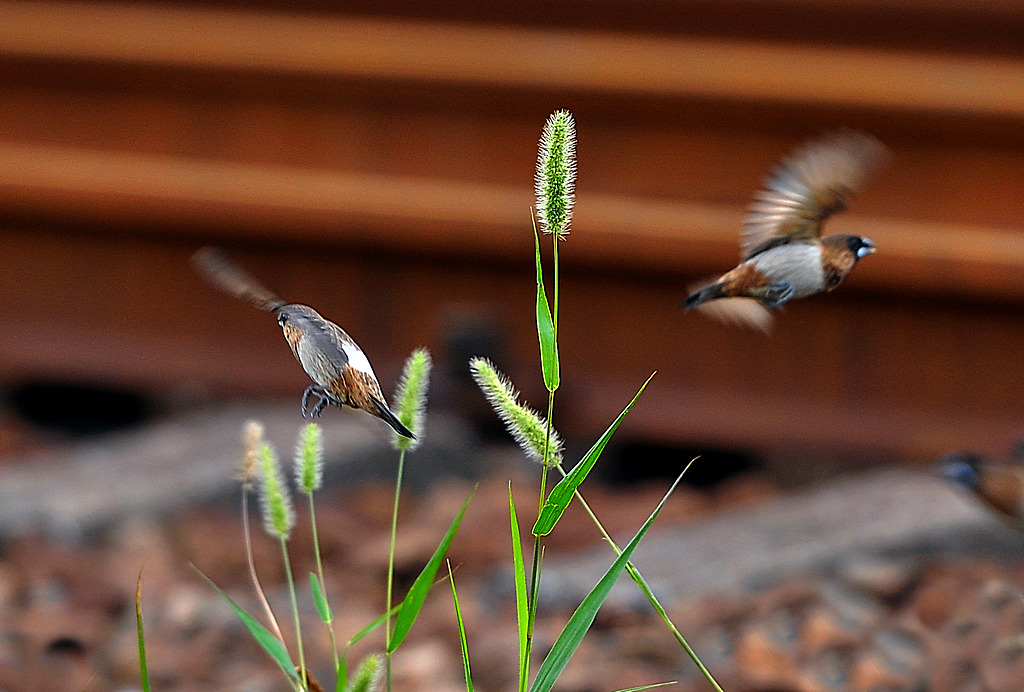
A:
997	483
338	367
783	255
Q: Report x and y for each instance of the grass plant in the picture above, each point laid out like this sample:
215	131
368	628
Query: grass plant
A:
536	435
554	185
261	470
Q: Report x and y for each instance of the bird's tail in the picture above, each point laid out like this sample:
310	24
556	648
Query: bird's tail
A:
223	273
385	414
703	295
711	300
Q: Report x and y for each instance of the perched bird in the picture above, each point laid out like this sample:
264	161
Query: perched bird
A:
783	254
998	483
329	356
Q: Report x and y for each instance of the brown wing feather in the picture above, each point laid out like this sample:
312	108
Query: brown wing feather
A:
813	183
223	273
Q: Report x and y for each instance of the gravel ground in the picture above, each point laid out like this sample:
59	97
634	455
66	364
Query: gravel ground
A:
886	581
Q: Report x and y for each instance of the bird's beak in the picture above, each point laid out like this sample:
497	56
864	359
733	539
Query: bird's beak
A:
866	249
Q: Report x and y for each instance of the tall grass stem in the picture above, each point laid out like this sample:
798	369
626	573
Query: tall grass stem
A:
391	569
295	611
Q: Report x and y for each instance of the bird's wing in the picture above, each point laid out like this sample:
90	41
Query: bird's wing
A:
223	273
803	190
354	355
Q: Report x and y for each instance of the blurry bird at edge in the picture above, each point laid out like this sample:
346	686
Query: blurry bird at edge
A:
998	483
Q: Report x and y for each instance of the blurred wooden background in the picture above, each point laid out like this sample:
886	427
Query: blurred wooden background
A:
377	163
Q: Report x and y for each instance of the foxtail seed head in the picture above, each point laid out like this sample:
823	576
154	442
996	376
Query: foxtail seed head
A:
556	174
275	500
248	467
309	459
411	398
528	427
368	675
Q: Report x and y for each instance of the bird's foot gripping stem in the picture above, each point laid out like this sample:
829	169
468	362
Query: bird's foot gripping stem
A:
323	398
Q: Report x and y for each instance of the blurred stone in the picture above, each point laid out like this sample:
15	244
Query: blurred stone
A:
1002	667
886	512
827	671
878	576
871	620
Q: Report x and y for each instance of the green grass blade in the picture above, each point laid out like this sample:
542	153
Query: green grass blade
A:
143	668
572	634
271	644
342	673
519	571
649	687
323	608
358	636
380	621
462	631
561	494
545	326
373	625
413	601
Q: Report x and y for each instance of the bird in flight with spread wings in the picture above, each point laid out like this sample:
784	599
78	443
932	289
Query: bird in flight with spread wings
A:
783	254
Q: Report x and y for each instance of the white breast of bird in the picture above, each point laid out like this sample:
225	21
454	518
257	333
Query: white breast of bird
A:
797	263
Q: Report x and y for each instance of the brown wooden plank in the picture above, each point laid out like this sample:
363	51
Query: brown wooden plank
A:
119	190
448	52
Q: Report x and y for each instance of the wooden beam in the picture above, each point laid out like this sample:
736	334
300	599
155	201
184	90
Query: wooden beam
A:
139	191
333	46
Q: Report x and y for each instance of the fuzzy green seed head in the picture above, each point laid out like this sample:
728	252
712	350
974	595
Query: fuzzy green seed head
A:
556	174
275	500
309	459
368	675
528	427
252	441
411	398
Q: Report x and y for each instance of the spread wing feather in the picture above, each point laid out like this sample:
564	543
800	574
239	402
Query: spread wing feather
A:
813	183
223	273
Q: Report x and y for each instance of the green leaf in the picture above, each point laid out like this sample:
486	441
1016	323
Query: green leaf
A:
413	601
571	636
545	326
561	494
462	631
271	644
323	608
519	573
143	668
